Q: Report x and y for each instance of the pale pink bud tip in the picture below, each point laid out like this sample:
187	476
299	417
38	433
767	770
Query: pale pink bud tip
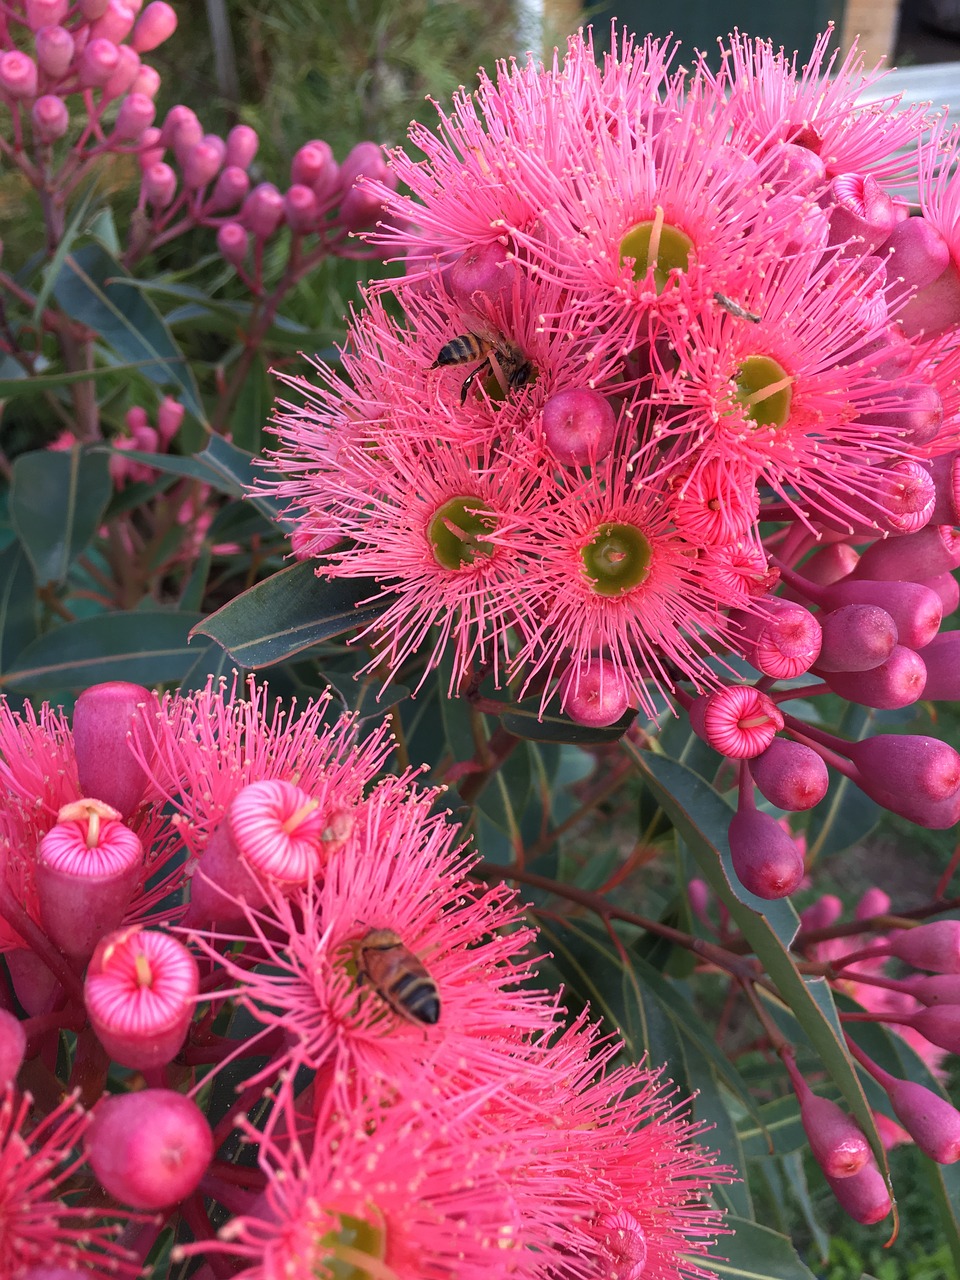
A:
45	13
838	1144
623	1246
50	117
115	23
140	991
594	693
18	75
136	115
579	426
54	51
933	946
233	243
277	828
149	1149
790	775
864	1196
13	1047
104	717
766	858
157	23
737	721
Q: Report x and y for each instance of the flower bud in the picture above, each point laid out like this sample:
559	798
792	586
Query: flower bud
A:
933	549
50	118
37	989
793	170
839	1145
934	946
18	75
930	1120
909	763
367	160
898	682
935	308
578	426
864	1196
159	185
233	243
300	210
940	1024
242	144
156	24
862	213
937	988
790	775
594	692
916	254
919	418
151	151
54	51
147	82
97	63
127	70
104	718
856	637
115	23
486	270
149	1149
738	720
360	208
45	13
140	994
935	815
229	190
202	162
93	9
262	211
766	858
830	563
13	1047
780	638
312	164
873	902
821	914
621	1249
169	420
181	129
915	610
135	116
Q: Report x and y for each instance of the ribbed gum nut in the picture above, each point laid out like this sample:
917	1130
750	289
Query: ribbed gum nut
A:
622	1252
917	419
933	549
13	1047
54	47
863	1197
115	23
940	1024
906	497
18	75
594	693
136	115
578	426
780	638
50	118
159	185
35	986
911	763
233	243
242	144
105	717
484	269
140	992
934	946
300	209
930	1120
937	988
262	211
839	1145
898	682
97	63
45	13
202	162
278	830
156	24
945	471
861	212
88	867
149	1149
169	420
790	775
856	637
766	858
916	610
738	720
229	190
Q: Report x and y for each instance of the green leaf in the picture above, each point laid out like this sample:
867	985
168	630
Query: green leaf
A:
945	1180
780	1122
708	1106
148	647
505	795
289	613
523	719
251	409
236	468
57	501
36	384
18	604
361	693
89	287
795	1175
757	1253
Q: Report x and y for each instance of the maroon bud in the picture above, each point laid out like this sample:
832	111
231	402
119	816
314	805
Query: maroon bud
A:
916	610
830	563
765	857
790	775
940	1024
221	882
935	815
909	763
948	589
579	426
932	550
105	717
864	1196
933	946
839	1145
36	987
856	637
930	1120
780	638
917	418
937	988
941	657
861	212
916	255
13	1047
898	682
149	1149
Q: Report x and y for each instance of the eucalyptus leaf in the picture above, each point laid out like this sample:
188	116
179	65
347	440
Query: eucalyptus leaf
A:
18	604
57	501
524	720
757	1253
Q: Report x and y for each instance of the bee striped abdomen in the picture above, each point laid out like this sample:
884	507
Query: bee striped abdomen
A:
398	977
461	350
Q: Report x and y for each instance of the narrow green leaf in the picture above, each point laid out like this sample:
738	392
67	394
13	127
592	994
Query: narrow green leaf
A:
524	720
707	1106
757	1253
289	613
945	1180
18	604
779	1123
57	500
36	384
236	468
67	241
795	1175
251	409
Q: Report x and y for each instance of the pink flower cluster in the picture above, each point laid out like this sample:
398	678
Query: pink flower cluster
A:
430	1114
673	386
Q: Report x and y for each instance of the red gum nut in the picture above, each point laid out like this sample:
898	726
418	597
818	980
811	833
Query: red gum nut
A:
594	693
103	720
485	269
765	857
149	1149
898	682
579	426
933	946
930	1120
839	1145
862	212
790	775
909	763
914	556
864	1196
13	1047
856	637
54	51
916	610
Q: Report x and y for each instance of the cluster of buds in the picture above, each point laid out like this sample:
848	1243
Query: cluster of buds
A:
674	388
430	1113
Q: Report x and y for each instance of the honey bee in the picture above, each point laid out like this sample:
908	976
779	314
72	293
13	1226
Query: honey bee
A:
397	976
506	362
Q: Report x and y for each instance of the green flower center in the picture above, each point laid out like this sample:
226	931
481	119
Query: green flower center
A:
616	559
657	245
342	1250
765	390
456	532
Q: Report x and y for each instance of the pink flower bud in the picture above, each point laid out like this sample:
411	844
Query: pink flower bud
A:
856	637
147	82
945	472
930	1120
50	118
312	163
181	129
242	144
18	75
366	159
933	946
864	1197
169	420
360	208
262	211
202	162
918	417
594	692
159	185
821	914
45	13
149	1149
578	426
780	638
97	63
54	51
861	213
934	549
935	308
230	189
221	883
942	660
915	610
93	9
135	116
767	859
839	1145
300	210
830	563
278	829
233	243
910	763
698	894
13	1047
88	868
873	902
938	988
156	24
485	270
738	720
916	255
898	682
115	23
128	68
105	717
939	1024
935	815
948	589
151	150
790	775
793	170
37	989
140	995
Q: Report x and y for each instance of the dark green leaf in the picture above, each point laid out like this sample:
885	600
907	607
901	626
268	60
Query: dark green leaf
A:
523	719
251	409
289	613
707	1106
18	604
504	797
57	501
780	1121
795	1175
756	1253
236	467
176	465
945	1180
363	694
148	647
35	384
